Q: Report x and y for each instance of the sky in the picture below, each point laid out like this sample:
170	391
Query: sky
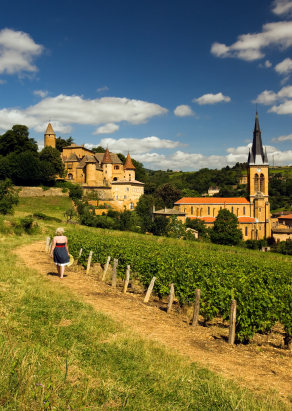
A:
175	83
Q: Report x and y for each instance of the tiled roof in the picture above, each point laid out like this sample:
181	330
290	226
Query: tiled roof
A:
72	157
107	158
246	219
91	159
128	164
287	216
169	211
206	219
49	129
213	200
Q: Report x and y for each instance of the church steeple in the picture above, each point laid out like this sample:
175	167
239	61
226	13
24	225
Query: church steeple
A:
257	156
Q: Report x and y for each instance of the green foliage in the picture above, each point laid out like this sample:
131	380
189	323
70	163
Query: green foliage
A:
70	213
98	149
199	225
8	197
17	141
225	230
75	191
25	225
52	156
261	285
45	217
61	143
187	192
169	194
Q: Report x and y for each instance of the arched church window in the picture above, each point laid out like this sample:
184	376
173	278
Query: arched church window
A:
262	183
243	210
232	210
256	183
192	211
208	210
70	176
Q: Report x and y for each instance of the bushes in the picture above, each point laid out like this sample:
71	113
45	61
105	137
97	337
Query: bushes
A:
25	225
75	192
8	196
42	216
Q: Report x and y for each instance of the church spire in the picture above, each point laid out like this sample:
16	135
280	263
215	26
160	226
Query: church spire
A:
256	155
128	164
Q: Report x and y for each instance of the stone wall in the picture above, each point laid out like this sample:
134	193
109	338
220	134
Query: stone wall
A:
39	192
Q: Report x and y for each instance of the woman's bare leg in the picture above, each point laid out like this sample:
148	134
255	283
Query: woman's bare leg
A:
62	269
58	269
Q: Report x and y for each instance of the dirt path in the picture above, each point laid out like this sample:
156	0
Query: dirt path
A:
260	366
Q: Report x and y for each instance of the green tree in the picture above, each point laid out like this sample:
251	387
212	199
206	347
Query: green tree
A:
61	143
98	149
169	194
52	156
144	210
187	192
8	196
199	225
17	141
76	193
225	230
160	226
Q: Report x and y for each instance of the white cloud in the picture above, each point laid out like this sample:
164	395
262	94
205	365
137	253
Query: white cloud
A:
282	138
186	161
68	110
17	52
249	46
211	99
100	90
267	64
41	93
285	67
247	140
269	97
3	81
282	7
183	111
107	129
284	80
135	145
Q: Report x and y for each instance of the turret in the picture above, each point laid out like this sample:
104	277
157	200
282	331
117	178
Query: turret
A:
50	137
107	166
129	169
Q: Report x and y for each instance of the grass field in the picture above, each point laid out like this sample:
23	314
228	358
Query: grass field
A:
57	353
52	206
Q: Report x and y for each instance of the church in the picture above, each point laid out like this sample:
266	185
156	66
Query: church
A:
253	213
103	172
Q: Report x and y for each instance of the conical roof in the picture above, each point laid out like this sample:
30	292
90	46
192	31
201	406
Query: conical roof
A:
128	164
49	129
257	156
107	158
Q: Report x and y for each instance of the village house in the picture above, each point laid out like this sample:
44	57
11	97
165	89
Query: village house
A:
253	213
103	172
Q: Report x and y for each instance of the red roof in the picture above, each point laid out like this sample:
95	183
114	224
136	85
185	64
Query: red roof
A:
128	164
287	216
212	219
107	158
212	200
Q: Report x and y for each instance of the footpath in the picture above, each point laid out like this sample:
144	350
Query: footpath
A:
260	366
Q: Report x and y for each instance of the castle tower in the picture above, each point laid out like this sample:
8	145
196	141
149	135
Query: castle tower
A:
258	183
129	169
91	171
50	137
107	166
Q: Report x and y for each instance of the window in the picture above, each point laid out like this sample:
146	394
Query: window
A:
243	210
197	212
125	197
232	210
131	206
260	209
262	183
192	210
70	176
117	197
129	177
220	208
246	231
116	167
127	189
208	210
70	165
256	183
260	227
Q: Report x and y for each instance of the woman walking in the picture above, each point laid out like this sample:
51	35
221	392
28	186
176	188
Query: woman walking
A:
60	251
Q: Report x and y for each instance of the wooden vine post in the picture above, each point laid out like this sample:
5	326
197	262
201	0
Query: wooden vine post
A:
105	268
171	297
149	291
196	307
89	262
114	277
232	322
48	240
127	279
80	252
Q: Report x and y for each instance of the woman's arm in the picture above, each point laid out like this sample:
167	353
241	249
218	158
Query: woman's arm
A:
53	246
66	245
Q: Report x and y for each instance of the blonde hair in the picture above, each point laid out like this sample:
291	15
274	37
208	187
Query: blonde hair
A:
60	231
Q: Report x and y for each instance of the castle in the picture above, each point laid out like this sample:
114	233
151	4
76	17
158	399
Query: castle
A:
103	172
253	213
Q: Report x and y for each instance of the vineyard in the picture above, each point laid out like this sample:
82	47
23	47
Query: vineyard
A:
261	284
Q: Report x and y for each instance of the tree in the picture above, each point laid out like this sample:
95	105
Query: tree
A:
61	143
169	194
150	188
199	225
225	230
8	196
25	169
187	192
17	141
98	149
144	209
160	225
52	156
76	192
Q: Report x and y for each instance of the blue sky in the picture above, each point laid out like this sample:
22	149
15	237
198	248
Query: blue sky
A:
173	82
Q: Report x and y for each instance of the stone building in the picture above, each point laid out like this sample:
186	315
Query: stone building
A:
103	172
253	213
